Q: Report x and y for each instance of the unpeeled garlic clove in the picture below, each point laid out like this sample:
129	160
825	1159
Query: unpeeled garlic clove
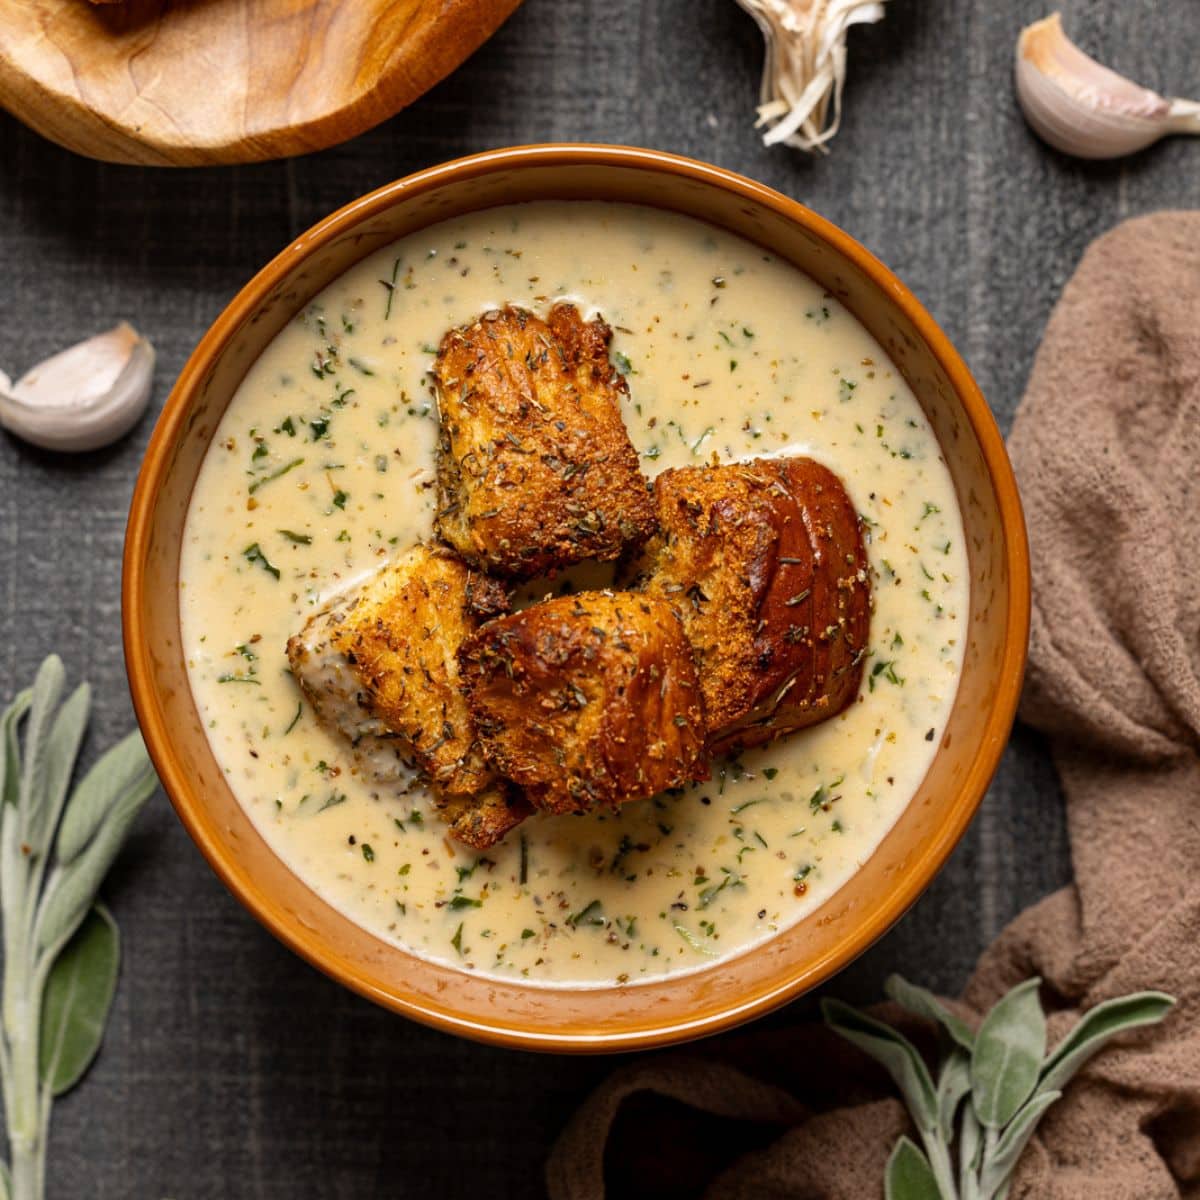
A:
82	398
1082	108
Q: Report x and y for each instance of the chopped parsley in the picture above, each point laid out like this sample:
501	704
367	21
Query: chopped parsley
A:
693	941
263	480
254	554
824	796
888	671
710	893
590	914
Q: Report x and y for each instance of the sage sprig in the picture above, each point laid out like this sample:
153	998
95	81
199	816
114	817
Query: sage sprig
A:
61	947
991	1087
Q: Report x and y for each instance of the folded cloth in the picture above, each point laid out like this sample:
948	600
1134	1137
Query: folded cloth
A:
1106	446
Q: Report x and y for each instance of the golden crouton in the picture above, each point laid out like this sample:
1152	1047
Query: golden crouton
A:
482	819
764	564
380	666
535	466
587	700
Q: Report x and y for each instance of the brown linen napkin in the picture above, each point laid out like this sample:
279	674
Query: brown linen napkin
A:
1106	446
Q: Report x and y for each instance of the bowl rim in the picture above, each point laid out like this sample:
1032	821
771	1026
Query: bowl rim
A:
927	861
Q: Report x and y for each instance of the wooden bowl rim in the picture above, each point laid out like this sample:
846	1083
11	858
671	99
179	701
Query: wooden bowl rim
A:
927	859
55	108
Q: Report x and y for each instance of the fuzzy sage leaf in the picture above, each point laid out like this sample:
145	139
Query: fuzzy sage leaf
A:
1008	1054
970	1150
10	753
954	1082
1003	1070
1096	1029
47	688
909	1175
922	1002
62	748
60	949
71	888
894	1052
1000	1162
79	992
123	770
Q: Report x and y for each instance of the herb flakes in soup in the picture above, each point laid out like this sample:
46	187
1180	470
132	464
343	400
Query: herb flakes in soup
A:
323	470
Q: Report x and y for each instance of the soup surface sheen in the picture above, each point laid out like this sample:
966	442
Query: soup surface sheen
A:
323	467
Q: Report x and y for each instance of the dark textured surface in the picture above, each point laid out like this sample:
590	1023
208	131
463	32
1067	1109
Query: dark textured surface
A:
230	1068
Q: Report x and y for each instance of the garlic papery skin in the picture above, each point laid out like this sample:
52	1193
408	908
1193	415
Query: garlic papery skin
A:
1081	107
82	398
800	98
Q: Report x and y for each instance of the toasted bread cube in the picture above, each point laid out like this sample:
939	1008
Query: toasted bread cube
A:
764	563
588	700
535	467
380	666
483	819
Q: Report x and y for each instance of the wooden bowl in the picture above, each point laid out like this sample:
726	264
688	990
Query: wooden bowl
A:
217	81
642	1014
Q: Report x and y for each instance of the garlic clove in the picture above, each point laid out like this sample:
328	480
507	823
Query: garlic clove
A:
82	398
800	97
1083	108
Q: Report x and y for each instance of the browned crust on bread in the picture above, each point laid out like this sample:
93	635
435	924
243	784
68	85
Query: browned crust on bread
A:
587	701
764	564
484	819
399	636
535	467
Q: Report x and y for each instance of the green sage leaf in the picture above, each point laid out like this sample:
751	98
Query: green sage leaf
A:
954	1082
5	1181
970	1149
999	1165
47	688
76	1000
14	866
922	1002
62	748
909	1175
10	750
1008	1055
892	1050
123	771
1097	1027
72	888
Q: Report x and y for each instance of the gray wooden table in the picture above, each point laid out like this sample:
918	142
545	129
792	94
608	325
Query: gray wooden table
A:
231	1069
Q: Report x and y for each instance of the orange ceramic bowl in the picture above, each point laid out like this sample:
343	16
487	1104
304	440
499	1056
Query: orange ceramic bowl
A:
616	1017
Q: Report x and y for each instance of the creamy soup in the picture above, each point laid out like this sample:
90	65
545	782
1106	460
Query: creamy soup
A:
323	468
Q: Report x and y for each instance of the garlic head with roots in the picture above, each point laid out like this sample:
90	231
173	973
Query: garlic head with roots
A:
800	98
84	397
1081	107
